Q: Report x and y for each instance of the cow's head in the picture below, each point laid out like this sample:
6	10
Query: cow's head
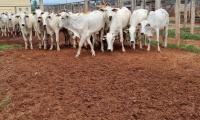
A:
146	28
110	37
10	16
64	19
44	18
132	31
144	24
22	17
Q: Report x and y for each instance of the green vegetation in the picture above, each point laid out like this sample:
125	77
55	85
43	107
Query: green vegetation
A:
188	29
190	48
5	102
172	21
4	47
184	35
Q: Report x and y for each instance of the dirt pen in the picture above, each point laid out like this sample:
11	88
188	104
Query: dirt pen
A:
42	84
135	85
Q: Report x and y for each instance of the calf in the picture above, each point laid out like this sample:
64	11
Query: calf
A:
157	20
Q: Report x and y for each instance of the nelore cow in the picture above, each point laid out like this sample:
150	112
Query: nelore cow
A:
26	22
38	27
119	20
84	26
3	22
51	23
156	21
135	22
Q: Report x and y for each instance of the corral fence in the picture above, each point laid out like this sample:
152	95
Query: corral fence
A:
169	5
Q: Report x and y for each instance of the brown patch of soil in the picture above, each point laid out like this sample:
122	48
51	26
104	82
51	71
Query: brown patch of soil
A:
134	85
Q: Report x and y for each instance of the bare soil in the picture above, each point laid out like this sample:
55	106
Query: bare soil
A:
136	85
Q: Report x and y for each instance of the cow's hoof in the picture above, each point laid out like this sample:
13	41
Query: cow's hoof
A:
76	56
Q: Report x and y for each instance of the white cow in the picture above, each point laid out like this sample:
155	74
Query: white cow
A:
107	14
4	20
15	25
1	23
157	20
51	23
84	26
26	22
136	18
39	28
11	18
120	20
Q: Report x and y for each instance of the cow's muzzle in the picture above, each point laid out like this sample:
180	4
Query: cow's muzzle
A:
110	18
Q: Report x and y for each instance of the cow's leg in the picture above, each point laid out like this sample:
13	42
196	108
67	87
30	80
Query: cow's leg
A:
44	41
140	39
101	36
157	39
74	42
25	40
30	40
51	43
93	40
121	40
145	41
163	37
79	47
40	41
148	44
91	46
57	40
5	31
166	35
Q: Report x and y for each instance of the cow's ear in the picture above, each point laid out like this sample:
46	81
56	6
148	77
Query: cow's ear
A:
57	15
114	10
17	16
126	30
101	10
148	24
139	24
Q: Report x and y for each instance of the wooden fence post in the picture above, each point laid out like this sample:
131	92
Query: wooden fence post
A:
177	21
157	4
120	3
143	4
85	4
133	5
192	16
185	13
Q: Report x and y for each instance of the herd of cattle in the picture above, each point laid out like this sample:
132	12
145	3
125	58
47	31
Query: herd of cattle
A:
107	23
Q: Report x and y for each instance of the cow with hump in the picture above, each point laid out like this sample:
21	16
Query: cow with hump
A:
84	26
156	21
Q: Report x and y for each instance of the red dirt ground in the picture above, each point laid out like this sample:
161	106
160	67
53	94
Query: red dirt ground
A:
136	85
